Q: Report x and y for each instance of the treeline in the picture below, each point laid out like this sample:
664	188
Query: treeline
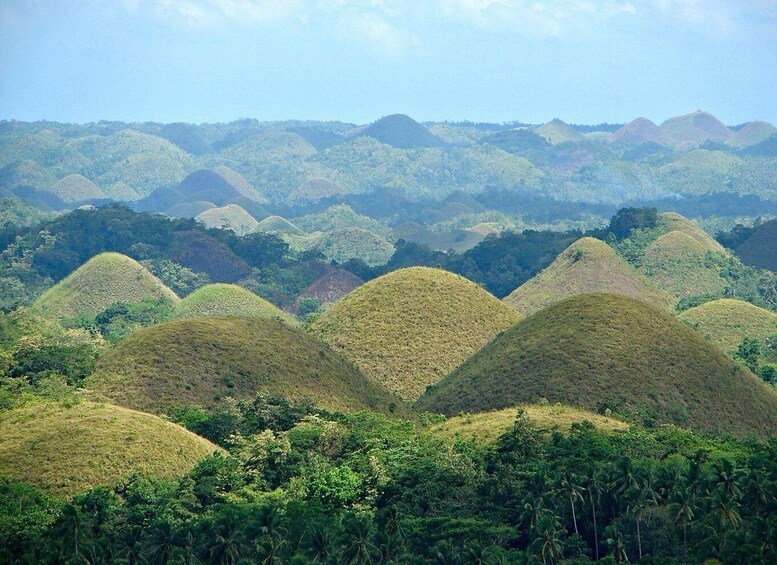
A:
298	486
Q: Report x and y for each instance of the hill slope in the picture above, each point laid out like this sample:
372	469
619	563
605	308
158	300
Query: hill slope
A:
601	350
354	243
331	287
314	190
760	249
75	188
67	450
727	322
638	131
588	265
557	132
694	128
201	360
230	217
401	131
105	279
409	328
278	225
228	300
752	134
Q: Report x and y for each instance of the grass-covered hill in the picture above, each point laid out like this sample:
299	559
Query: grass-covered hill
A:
401	131
202	360
557	132
676	262
678	222
694	128
207	185
588	265
340	216
760	249
353	243
256	209
601	351
215	300
104	280
752	134
189	209
409	328
637	132
75	188
314	190
331	287
67	449
231	217
726	322
241	184
486	427
278	225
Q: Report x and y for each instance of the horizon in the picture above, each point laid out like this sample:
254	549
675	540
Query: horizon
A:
484	61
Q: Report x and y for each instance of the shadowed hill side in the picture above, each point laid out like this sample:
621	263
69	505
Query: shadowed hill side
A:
409	328
401	131
760	249
637	132
752	134
602	351
331	287
726	322
75	188
588	265
66	450
278	225
228	300
695	128
105	279
202	360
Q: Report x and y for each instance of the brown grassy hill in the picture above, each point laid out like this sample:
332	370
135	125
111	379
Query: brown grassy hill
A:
638	131
121	191
557	132
588	265
695	128
601	351
254	208
726	322
65	450
229	217
331	287
485	427
278	225
354	243
677	222
675	262
401	131
220	299
75	188
760	249
190	209
202	360
314	190
105	279
409	328
240	184
752	134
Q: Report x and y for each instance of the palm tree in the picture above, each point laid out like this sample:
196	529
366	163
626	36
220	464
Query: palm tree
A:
162	543
359	549
226	548
569	486
321	544
594	484
681	508
641	496
726	478
548	545
618	546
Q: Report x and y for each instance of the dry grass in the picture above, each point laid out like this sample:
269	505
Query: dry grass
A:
588	265
65	450
202	360
278	225
105	279
604	351
727	322
409	328
230	217
485	427
557	132
74	188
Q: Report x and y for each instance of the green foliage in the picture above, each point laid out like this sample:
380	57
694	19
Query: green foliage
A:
178	278
629	219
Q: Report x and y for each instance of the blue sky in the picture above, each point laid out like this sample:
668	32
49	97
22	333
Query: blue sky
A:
584	61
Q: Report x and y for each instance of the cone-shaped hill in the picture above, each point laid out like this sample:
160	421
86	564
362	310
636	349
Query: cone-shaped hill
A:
105	279
189	209
588	265
331	287
228	300
752	134
601	351
201	360
240	184
677	222
693	128
402	132
557	132
638	131
75	188
675	262
278	225
206	185
760	249
409	328
67	450
314	190
726	322
230	217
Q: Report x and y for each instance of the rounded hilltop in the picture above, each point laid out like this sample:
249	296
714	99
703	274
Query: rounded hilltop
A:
409	328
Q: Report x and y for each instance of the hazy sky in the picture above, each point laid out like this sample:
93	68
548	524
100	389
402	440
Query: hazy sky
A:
584	61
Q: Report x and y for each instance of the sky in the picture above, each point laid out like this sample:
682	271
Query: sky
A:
583	61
